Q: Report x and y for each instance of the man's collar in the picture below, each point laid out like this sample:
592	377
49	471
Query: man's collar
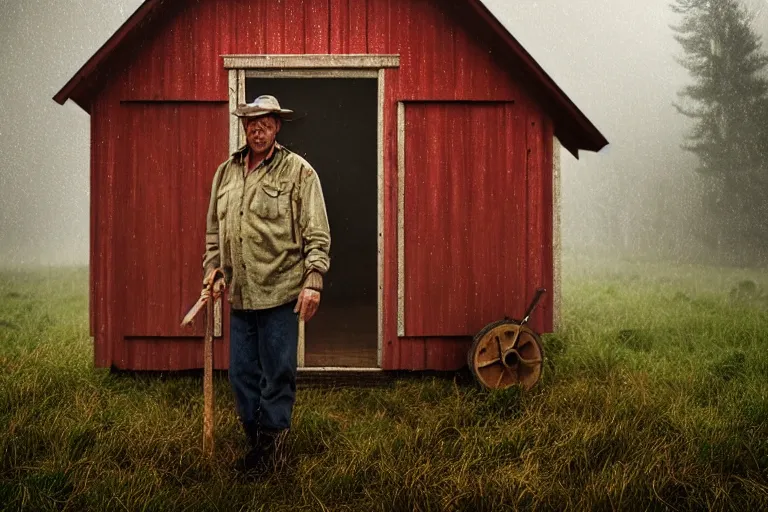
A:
242	153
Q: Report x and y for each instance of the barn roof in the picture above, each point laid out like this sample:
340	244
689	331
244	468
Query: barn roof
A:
574	130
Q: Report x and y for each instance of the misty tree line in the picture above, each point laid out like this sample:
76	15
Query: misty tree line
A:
728	104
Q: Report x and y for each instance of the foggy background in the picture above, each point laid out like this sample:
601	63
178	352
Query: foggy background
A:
614	58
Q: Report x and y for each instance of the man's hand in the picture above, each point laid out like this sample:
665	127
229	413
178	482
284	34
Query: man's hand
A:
309	301
218	287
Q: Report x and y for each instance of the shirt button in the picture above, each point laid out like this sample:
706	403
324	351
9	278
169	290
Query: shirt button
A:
241	239
241	212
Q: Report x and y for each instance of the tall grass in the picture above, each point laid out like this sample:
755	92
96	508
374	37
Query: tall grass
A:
655	396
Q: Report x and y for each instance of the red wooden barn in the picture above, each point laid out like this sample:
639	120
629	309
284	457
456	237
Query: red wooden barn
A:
435	136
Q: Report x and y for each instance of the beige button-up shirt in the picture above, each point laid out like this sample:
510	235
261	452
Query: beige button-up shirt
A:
267	229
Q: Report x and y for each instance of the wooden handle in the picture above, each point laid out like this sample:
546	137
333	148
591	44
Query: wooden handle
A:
300	348
208	397
534	303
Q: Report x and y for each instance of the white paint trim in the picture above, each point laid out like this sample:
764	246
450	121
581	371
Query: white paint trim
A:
234	124
556	237
240	101
400	218
312	73
311	61
234	134
380	216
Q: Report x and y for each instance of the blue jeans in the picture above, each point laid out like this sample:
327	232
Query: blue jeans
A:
262	365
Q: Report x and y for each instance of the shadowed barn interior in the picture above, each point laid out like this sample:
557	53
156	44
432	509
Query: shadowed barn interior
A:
335	128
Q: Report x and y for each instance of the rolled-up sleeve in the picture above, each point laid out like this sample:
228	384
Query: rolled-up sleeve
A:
313	223
212	254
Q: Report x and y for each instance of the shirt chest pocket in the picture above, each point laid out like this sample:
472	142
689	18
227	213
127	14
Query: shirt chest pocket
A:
272	201
222	201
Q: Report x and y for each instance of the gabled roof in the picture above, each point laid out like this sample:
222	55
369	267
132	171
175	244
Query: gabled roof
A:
574	130
81	83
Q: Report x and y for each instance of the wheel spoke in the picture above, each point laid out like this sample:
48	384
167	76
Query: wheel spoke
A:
522	342
501	377
513	373
485	364
516	339
530	362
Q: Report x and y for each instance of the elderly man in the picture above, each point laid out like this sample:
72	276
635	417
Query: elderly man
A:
267	228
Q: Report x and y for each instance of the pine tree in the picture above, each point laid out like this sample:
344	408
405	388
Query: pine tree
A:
728	103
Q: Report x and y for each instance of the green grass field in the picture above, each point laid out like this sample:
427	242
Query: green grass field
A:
655	396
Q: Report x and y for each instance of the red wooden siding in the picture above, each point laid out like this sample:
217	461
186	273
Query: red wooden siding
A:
94	255
176	71
470	249
162	174
102	271
163	216
440	58
417	353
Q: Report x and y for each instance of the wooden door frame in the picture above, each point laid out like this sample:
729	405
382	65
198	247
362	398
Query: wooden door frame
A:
241	67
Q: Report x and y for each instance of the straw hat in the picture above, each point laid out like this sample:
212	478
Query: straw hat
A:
262	106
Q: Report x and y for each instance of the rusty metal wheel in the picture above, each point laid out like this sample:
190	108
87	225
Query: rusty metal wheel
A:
504	354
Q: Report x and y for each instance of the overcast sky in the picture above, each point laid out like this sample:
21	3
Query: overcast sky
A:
614	58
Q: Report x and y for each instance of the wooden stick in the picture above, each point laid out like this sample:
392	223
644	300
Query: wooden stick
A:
300	349
210	298
208	397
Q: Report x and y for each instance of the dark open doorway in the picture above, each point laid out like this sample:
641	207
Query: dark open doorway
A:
335	129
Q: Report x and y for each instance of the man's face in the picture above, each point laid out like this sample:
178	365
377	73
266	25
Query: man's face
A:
260	133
